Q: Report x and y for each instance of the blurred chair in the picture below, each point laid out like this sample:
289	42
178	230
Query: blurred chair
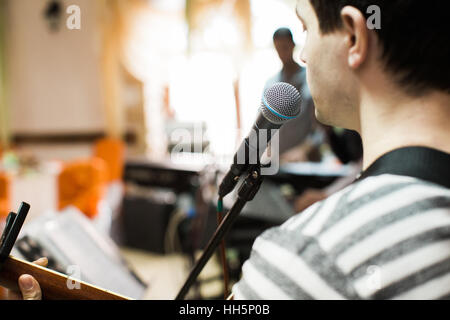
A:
4	195
112	151
82	184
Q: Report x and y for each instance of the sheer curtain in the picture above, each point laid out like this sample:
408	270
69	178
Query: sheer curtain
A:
220	41
208	59
157	36
116	18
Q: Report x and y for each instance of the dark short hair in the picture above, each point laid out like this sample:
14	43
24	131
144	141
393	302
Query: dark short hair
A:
414	36
283	33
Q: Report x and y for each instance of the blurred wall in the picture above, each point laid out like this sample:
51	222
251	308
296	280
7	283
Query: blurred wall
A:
54	77
4	124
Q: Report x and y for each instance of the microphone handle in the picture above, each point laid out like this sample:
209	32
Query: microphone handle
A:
249	153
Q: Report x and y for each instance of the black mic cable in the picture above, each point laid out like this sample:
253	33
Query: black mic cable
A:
222	249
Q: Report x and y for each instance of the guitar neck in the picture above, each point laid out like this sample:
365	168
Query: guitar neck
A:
54	285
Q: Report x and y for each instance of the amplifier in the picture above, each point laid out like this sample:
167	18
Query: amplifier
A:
177	178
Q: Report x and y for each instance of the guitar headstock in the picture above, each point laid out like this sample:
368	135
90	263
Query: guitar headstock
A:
14	223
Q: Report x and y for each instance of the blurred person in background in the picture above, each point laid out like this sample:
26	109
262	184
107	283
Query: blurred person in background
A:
295	132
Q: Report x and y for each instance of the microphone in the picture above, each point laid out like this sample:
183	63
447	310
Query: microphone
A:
280	104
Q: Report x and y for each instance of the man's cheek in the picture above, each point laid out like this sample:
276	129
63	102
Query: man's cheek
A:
310	79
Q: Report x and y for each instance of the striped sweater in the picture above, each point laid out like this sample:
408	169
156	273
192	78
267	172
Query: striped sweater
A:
384	237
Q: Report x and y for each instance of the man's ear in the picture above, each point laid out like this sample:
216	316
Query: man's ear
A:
357	36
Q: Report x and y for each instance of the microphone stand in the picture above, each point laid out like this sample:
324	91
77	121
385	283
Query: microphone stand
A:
247	192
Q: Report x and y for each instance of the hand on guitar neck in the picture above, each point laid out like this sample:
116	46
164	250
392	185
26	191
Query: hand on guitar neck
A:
29	287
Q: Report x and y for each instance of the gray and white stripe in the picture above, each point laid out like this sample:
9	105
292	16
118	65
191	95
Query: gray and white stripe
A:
399	225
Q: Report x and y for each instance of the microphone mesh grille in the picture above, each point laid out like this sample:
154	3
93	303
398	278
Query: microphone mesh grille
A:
284	99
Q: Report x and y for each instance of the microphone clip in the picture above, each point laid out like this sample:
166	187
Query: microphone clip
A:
250	186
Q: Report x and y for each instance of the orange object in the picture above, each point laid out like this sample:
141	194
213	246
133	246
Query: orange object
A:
4	211
4	195
82	184
112	151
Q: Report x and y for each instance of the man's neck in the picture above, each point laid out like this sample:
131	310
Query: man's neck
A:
390	122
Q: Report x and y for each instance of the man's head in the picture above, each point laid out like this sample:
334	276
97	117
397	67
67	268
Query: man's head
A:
284	44
346	56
